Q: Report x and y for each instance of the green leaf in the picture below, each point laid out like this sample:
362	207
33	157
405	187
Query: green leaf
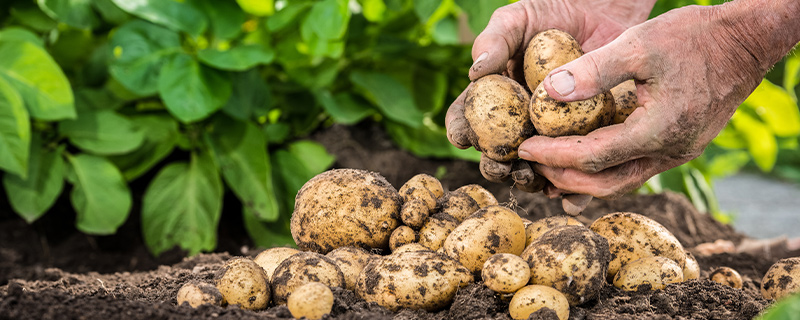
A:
445	31
75	13
139	50
268	234
785	309
241	152
344	107
479	12
96	99
176	15
182	206
374	10
328	19
225	16
102	132
691	189
31	197
237	58
760	141
99	194
312	156
728	163
430	88
250	98
110	12
160	137
390	95
791	73
257	7
32	17
15	131
425	8
12	34
190	90
284	17
316	77
776	107
276	132
429	140
729	138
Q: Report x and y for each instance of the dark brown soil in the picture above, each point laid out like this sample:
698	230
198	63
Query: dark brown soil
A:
50	271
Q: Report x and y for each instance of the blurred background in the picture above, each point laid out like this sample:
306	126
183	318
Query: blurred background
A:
162	108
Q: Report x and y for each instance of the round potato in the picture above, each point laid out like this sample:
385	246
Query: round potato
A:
571	259
411	247
199	293
458	204
546	51
505	273
424	181
652	273
726	276
539	227
555	118
414	213
401	236
496	110
241	281
418	193
415	280
625	100
302	268
691	269
491	230
482	196
270	259
782	279
436	229
350	260
345	207
533	298
312	300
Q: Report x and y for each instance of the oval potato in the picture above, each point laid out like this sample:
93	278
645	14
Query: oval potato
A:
491	230
312	300
539	227
414	213
505	273
436	229
270	259
555	118
241	281
197	293
458	205
425	181
401	236
482	196
655	272
350	260
726	276
691	269
533	298
546	51
782	279
302	268
625	100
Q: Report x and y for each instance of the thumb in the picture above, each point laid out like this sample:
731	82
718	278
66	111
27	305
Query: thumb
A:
499	41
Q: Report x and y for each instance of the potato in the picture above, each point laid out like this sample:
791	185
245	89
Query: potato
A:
533	298
496	110
425	181
436	229
199	293
491	230
539	227
411	247
653	273
350	260
782	279
418	193
415	280
302	268
691	269
458	204
633	236
482	196
414	213
402	235
270	259
505	273
345	207
625	100
312	300
726	276
546	51
571	259
555	118
241	281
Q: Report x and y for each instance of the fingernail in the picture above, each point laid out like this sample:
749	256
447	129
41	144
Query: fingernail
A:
481	57
563	82
524	154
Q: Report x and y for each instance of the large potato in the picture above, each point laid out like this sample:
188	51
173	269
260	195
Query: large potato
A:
436	229
571	259
491	230
270	259
496	110
241	281
302	268
653	273
533	298
350	260
345	207
539	227
782	279
555	118
546	51
633	236
415	280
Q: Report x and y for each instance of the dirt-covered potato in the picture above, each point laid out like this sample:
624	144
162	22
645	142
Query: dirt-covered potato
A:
241	281
539	227
633	236
302	268
546	51
270	259
533	298
418	193
425	181
414	213
312	300
350	260
653	272
436	229
491	230
496	110
555	118
726	276
401	236
505	273
625	100
782	279
416	280
691	269
197	293
458	204
482	196
345	207
411	247
571	259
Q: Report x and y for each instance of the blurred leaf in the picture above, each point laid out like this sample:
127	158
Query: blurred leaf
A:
428	141
791	73
328	19
276	132
425	8
729	138
75	13
479	12
373	10
430	88
72	48
785	309
182	206
312	155
12	34
139	50
393	98
99	194
190	90
344	108
110	12
691	189
297	164
257	7
102	132
268	234
33	17
760	140
728	163
319	76
96	99
776	107
237	58
285	16
160	137
250	97
15	131
176	15
445	31
31	197
225	17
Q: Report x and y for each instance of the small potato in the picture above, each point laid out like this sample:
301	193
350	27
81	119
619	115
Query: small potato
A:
302	268
726	276
653	273
546	51
401	236
350	260
555	118
241	281
419	193
491	230
782	279
199	293
539	227
458	204
270	259
411	247
425	181
414	214
482	196
532	298
691	269
312	300
436	229
505	273
625	100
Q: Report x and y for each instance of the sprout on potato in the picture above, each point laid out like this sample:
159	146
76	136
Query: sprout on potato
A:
197	293
491	230
241	281
312	300
782	279
653	273
726	276
302	268
505	273
534	298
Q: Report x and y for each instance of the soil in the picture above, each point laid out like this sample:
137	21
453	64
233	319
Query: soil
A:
49	270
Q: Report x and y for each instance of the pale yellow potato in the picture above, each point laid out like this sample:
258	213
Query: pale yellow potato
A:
539	227
491	230
350	260
496	110
436	229
691	269
241	281
571	259
418	193
414	213
458	204
425	181
633	236
483	197
302	268
555	118
726	276
401	236
345	207
505	273
625	100
532	298
411	247
270	259
312	300
782	279
655	272
546	51
415	280
199	293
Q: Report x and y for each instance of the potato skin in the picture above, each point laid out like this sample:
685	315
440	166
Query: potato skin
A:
691	269
655	272
345	207
478	193
401	236
491	230
425	181
539	227
533	297
197	293
546	51
458	205
351	261
782	279
270	259
555	118
414	214
436	229
312	300
496	110
302	268
505	273
416	280
726	276
241	281
625	100
411	247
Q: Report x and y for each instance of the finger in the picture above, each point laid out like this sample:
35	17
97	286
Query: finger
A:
525	179
499	41
458	129
574	204
494	171
607	184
